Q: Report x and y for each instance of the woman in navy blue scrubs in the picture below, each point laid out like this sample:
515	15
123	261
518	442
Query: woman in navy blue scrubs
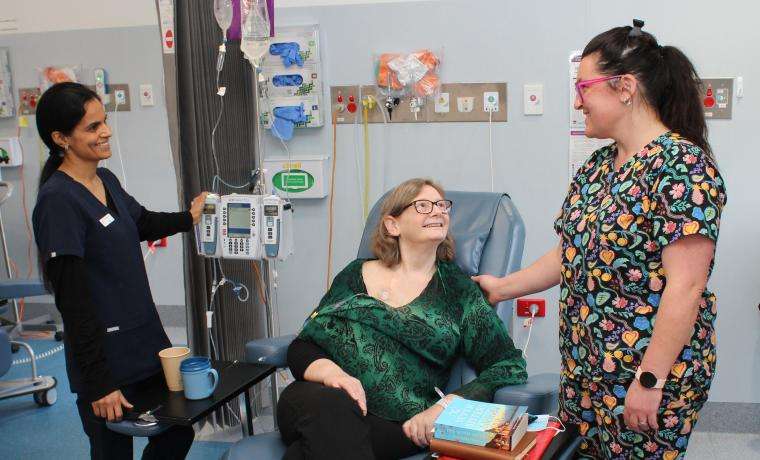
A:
88	231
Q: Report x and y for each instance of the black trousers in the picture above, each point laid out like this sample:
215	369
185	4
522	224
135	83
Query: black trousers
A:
173	443
318	422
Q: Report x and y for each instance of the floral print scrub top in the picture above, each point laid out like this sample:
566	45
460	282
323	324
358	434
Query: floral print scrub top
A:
614	226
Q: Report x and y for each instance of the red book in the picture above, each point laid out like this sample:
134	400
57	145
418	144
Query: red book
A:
471	452
543	439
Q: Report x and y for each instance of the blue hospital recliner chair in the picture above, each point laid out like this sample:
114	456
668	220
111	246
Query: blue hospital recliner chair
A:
41	387
489	235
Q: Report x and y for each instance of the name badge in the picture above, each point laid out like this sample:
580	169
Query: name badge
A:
106	220
112	329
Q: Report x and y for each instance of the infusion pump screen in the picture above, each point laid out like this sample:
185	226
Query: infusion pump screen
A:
239	219
271	210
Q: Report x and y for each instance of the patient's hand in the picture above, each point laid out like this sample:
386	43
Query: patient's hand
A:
419	429
351	385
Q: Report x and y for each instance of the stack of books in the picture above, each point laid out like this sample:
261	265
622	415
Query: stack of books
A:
482	431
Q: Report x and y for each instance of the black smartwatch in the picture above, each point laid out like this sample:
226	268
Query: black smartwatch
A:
649	380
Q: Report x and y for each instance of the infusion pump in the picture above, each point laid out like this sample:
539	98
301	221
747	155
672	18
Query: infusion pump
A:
245	227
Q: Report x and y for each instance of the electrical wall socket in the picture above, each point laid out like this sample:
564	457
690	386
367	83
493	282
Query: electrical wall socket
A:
110	100
533	99
442	103
146	95
465	104
120	96
491	101
523	307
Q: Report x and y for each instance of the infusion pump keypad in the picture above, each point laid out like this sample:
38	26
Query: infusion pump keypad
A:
239	245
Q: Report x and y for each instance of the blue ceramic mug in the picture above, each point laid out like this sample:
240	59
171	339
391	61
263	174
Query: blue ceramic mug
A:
198	378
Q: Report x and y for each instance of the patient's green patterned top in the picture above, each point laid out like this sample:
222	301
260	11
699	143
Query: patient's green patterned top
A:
401	354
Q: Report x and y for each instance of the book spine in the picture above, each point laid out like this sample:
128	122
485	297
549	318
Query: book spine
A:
463	435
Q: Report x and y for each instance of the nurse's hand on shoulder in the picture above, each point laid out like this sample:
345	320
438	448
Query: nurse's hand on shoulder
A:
196	207
491	286
109	406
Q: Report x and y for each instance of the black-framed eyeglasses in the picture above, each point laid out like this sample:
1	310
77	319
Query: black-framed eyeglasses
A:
426	206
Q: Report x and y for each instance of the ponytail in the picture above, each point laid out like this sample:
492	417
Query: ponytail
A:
679	105
669	83
51	165
60	109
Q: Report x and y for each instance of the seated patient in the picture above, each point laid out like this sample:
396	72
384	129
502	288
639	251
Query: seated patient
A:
386	334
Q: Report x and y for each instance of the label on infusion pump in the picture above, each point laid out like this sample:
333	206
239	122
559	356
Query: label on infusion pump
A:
271	219
209	224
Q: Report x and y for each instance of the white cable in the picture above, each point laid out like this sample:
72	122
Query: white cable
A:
218	175
118	144
357	153
237	287
213	345
530	330
386	142
287	151
216	180
221	270
43	355
490	144
276	306
220	92
382	112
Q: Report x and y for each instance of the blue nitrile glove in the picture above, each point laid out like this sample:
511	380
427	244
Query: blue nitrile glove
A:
289	52
285	120
287	80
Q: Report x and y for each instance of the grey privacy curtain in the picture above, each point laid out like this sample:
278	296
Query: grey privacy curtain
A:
197	109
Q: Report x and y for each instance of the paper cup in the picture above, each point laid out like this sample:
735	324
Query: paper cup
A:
171	358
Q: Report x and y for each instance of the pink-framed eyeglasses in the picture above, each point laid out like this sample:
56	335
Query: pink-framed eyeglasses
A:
579	85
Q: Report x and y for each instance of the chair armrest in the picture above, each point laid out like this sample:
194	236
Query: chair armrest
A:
128	427
273	351
15	288
539	393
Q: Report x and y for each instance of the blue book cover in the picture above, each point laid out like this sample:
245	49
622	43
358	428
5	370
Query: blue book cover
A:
479	423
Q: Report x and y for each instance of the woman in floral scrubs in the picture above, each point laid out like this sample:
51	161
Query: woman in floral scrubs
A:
638	230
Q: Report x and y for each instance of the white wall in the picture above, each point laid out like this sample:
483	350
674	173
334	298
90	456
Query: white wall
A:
52	15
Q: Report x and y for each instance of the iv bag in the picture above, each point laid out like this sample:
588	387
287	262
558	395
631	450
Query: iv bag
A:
254	27
223	14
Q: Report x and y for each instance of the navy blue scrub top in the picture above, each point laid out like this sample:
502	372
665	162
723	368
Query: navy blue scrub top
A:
69	220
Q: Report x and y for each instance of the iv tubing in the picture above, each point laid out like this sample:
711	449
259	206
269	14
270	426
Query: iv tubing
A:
365	116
